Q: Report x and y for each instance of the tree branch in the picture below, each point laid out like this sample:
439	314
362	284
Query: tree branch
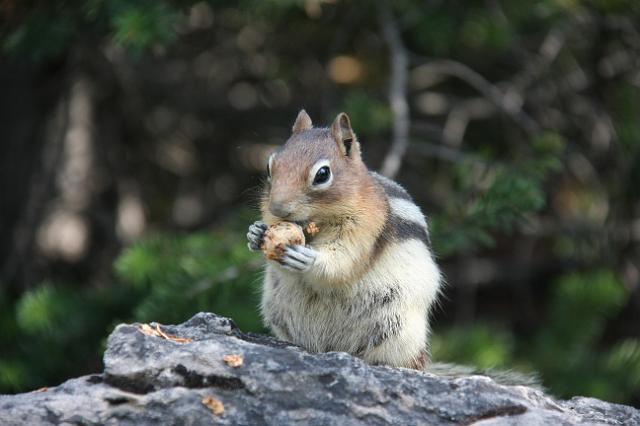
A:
399	59
440	150
509	101
458	119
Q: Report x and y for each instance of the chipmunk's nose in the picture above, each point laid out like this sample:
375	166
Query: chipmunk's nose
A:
281	210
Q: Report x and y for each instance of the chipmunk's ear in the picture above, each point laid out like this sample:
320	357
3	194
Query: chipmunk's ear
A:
303	122
344	136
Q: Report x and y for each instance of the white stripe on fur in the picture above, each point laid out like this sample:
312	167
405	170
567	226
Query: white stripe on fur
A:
407	210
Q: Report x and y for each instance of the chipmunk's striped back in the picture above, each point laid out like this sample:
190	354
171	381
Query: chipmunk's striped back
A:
405	220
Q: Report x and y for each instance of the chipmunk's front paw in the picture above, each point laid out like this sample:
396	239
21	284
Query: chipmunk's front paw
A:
256	235
298	258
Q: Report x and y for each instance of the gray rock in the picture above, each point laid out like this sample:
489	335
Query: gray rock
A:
150	380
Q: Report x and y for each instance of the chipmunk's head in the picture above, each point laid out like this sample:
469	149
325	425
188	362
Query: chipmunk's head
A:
316	174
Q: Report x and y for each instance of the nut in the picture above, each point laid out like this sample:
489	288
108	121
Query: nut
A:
280	235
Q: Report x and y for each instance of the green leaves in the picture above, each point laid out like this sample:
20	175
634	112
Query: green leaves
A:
49	28
139	25
508	197
482	346
482	30
165	278
581	306
568	351
494	197
181	275
43	309
623	364
626	107
39	37
54	332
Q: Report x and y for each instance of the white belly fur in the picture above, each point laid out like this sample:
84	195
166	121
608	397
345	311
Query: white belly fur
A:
345	319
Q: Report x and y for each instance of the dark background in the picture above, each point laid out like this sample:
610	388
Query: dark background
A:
135	136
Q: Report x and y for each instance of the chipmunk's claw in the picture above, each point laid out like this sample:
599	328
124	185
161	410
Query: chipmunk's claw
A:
298	258
255	236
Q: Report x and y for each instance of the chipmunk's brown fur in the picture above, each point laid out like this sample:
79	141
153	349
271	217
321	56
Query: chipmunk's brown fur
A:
366	282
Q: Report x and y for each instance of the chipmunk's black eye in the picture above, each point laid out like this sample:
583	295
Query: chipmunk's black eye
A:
269	165
322	175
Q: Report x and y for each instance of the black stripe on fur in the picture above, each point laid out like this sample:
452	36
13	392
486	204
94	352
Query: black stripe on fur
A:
391	188
397	229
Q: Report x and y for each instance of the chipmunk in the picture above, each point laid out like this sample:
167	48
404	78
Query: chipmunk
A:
366	282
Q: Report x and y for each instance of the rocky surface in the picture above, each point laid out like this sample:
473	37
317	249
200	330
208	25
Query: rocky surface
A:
149	379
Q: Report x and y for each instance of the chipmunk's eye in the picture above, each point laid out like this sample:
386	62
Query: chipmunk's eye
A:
322	175
269	165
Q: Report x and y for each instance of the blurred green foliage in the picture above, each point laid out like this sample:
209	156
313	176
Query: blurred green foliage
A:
167	277
41	334
493	197
54	329
50	27
568	350
138	25
177	276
